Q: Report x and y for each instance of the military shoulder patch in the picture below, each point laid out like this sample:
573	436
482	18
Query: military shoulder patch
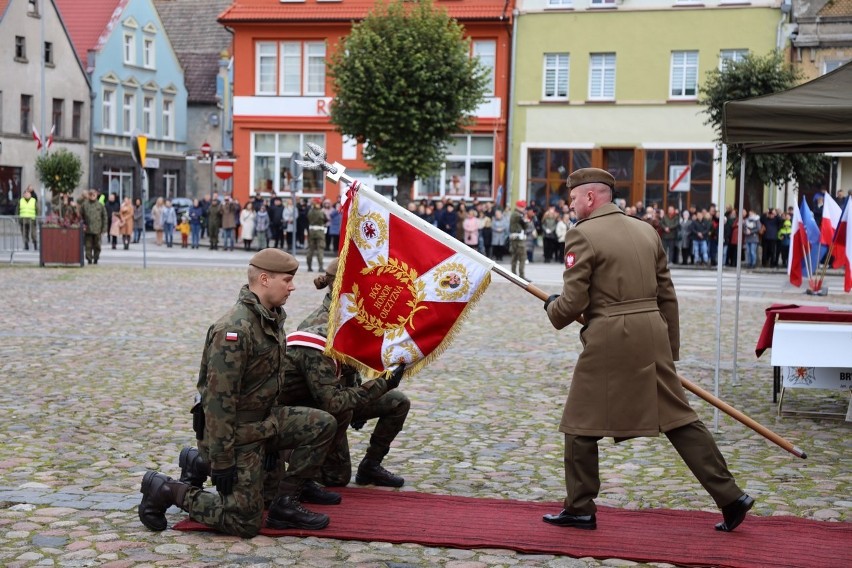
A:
231	336
570	259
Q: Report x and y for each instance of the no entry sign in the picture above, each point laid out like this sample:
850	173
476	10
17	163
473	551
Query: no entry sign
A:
224	168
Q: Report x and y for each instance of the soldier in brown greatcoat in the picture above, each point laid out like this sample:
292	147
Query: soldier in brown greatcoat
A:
625	383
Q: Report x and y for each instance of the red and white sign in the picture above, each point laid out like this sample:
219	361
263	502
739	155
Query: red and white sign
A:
205	149
223	169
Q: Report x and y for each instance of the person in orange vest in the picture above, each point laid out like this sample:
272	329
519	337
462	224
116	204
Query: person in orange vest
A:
27	212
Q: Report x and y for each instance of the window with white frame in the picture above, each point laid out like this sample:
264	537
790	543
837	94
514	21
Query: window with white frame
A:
148	116
271	153
684	75
727	56
602	76
170	183
602	3
128	113
118	181
486	51
290	68
265	62
830	65
148	53
560	3
168	119
556	69
108	116
129	49
315	68
468	171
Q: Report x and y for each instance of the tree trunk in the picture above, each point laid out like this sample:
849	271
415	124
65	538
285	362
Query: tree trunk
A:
404	189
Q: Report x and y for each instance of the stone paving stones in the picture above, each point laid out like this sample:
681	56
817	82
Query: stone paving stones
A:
99	367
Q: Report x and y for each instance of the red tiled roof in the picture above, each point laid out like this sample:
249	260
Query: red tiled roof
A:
245	11
88	20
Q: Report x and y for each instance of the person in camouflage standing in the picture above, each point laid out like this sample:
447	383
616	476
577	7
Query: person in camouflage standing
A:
317	222
95	218
316	381
518	238
214	222
240	428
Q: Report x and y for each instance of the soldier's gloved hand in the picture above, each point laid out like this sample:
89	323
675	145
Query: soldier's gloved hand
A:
270	460
550	299
224	479
358	424
396	376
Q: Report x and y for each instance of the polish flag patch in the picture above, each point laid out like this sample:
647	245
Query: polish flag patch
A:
570	259
231	336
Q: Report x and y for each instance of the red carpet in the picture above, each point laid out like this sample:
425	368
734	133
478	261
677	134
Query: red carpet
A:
685	538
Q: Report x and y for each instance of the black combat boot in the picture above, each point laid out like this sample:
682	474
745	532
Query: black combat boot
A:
159	492
193	469
371	471
286	513
315	493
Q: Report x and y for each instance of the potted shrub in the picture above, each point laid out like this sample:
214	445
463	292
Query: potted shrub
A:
61	232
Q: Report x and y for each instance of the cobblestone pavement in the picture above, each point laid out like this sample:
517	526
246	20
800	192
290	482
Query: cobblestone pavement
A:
98	367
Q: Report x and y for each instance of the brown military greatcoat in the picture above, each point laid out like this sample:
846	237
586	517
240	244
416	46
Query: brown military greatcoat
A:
625	383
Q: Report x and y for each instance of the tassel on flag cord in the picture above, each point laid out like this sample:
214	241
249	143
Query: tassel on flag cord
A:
37	138
401	291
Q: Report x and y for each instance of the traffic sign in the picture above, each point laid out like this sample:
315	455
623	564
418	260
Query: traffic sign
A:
139	147
679	178
205	149
224	169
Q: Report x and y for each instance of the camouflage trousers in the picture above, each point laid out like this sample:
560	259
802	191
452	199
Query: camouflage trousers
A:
518	250
391	409
316	245
308	432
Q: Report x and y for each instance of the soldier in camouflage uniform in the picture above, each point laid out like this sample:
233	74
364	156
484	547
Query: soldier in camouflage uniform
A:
241	427
95	219
517	238
316	380
317	222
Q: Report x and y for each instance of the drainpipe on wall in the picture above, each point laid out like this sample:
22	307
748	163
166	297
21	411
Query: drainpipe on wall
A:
507	193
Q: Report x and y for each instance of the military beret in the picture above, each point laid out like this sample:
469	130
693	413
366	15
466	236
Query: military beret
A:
590	175
316	200
521	204
274	260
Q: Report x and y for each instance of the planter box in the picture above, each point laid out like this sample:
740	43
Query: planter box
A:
61	246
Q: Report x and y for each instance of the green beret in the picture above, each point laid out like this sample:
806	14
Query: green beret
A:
590	175
274	260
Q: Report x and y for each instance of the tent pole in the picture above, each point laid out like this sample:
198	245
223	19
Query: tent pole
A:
736	380
720	242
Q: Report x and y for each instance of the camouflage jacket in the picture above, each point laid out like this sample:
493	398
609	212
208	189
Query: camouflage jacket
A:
312	378
316	217
239	377
94	216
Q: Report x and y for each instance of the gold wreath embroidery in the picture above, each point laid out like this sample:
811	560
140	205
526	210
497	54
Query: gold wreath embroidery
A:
376	240
406	276
408	347
452	280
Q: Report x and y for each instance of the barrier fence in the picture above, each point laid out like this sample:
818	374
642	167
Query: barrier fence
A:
11	235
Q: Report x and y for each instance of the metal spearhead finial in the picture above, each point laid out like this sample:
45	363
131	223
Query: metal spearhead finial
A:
315	159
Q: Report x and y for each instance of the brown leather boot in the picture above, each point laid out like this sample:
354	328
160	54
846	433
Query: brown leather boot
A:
286	513
193	469
159	492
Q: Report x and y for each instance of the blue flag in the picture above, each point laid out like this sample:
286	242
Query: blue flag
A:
812	230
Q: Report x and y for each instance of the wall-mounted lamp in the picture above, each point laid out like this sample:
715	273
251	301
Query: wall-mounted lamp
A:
213	119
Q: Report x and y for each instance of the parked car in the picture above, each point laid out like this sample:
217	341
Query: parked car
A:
181	205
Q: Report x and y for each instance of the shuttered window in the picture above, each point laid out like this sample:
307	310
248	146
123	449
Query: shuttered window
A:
684	75
556	68
602	76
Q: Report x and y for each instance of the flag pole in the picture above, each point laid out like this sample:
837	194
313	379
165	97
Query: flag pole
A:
315	159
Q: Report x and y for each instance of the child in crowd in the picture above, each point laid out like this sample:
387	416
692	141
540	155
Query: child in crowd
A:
183	228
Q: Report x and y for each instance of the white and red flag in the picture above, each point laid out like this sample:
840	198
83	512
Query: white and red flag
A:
37	138
843	247
50	136
402	287
830	218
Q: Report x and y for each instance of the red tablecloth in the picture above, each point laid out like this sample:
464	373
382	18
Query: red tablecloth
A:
793	312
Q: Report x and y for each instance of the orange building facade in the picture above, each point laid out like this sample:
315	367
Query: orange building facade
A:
282	93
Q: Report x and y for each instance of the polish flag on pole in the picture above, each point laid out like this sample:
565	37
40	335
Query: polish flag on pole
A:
796	256
402	287
37	138
843	247
50	136
830	218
